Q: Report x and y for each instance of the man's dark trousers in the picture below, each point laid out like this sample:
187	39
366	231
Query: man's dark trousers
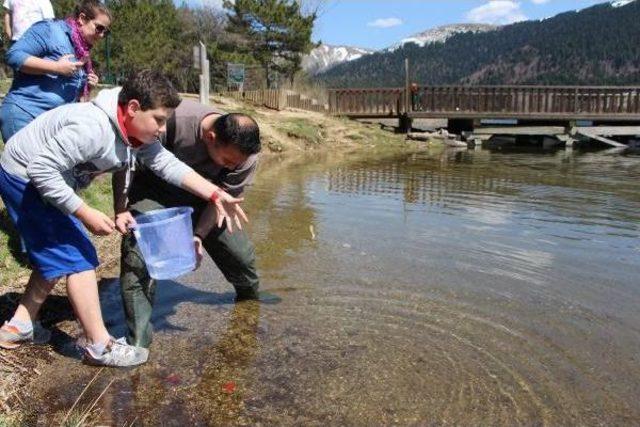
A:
233	253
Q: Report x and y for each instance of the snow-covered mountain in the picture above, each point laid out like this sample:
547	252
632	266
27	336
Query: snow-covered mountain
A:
619	3
325	56
442	33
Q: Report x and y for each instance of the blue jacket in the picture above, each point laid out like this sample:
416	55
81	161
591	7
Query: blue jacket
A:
36	94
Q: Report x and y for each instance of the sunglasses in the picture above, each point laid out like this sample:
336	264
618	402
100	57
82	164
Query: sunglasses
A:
101	29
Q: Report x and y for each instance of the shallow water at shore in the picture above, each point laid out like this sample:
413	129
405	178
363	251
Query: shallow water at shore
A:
437	287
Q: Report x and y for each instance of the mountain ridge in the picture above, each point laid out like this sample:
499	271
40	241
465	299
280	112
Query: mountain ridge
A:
326	56
441	33
595	45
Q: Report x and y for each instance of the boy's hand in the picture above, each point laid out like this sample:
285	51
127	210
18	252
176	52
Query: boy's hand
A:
95	221
124	222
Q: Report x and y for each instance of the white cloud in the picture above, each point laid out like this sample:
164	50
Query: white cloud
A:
540	1
499	12
385	23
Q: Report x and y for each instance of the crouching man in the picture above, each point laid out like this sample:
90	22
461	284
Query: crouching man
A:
224	148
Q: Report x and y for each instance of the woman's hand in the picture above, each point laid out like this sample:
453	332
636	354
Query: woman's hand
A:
228	210
66	67
92	80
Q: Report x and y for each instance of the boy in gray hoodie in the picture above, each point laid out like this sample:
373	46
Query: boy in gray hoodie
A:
63	150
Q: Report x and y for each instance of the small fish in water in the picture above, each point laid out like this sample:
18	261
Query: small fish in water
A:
229	387
313	234
173	379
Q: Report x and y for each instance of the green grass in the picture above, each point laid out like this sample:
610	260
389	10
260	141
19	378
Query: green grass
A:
5	84
10	421
310	133
354	136
99	195
246	110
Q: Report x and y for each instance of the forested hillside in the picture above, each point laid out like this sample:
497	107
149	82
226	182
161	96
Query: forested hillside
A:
594	46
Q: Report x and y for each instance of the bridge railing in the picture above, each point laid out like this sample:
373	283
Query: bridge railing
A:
367	102
549	100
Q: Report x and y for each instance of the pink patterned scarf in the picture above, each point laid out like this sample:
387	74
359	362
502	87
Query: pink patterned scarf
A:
82	50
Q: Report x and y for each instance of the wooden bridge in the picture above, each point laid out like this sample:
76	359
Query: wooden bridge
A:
466	106
483	102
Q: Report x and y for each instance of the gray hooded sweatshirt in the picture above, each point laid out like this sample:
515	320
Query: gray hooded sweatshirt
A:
63	149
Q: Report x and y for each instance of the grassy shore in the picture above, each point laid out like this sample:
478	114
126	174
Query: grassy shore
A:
283	133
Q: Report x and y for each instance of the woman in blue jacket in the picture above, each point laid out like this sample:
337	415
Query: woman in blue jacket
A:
52	65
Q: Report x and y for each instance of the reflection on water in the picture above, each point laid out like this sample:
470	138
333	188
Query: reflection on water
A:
458	287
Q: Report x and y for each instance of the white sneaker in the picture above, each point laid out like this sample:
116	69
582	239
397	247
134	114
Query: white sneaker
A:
11	337
117	353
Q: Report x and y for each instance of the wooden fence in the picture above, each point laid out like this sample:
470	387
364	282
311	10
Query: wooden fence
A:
269	98
278	99
367	102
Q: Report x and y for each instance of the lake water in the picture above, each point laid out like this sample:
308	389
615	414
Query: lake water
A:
437	287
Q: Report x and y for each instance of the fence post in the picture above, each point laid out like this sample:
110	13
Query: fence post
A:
404	124
204	77
407	87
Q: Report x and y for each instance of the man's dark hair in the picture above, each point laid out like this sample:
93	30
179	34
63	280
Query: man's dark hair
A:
239	130
151	89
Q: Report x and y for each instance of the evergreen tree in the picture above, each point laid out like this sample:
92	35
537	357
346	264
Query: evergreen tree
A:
63	8
150	34
276	33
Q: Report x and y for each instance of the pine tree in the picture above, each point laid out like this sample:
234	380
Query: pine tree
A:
277	34
150	34
63	8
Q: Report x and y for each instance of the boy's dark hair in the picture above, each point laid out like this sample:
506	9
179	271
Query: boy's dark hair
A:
91	9
151	89
239	130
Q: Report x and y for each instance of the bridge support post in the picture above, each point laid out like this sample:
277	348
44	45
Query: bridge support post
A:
568	140
458	126
405	123
477	143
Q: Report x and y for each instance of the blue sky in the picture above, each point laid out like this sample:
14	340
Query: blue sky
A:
377	24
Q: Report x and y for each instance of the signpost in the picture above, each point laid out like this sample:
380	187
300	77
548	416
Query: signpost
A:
235	76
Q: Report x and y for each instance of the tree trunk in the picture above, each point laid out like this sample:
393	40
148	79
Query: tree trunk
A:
267	76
